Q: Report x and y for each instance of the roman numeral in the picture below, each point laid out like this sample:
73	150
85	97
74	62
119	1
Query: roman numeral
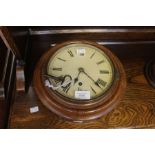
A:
101	82
100	62
104	72
92	55
57	69
61	59
66	88
70	53
93	90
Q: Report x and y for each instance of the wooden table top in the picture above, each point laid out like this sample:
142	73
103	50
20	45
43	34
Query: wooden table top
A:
136	109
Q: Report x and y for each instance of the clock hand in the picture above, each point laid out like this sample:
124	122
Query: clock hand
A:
82	70
77	78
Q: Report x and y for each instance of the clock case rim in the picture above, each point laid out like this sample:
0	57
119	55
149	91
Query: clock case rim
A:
89	109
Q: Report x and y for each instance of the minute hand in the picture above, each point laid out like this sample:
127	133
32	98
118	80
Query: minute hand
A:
91	79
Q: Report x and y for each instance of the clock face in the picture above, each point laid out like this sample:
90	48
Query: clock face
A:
80	72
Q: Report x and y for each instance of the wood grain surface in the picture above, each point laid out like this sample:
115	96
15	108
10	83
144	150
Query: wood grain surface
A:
136	110
9	42
2	103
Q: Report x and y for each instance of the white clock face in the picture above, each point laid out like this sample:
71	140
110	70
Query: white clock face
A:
80	71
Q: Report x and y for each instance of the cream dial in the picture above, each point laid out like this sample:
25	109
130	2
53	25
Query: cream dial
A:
80	71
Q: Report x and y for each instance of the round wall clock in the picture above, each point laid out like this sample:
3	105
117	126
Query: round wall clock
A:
79	80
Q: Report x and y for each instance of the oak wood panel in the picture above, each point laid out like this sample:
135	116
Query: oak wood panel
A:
136	110
9	42
8	53
3	53
2	112
95	32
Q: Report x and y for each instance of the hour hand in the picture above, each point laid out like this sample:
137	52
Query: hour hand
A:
77	78
95	82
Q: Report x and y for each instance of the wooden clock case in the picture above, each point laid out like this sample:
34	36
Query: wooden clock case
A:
80	110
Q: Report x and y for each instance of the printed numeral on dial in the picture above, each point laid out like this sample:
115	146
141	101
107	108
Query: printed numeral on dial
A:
101	82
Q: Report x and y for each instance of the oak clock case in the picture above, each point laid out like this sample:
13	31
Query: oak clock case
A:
79	80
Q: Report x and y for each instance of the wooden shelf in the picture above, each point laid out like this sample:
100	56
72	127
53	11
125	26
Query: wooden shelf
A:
136	110
134	46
